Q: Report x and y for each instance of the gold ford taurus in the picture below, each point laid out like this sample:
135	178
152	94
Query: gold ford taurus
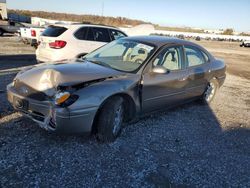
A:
116	83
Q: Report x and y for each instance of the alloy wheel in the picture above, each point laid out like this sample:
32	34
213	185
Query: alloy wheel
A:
210	92
118	120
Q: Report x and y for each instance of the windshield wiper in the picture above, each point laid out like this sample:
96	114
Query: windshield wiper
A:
99	63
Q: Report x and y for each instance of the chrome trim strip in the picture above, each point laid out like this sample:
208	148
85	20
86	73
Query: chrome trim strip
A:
153	98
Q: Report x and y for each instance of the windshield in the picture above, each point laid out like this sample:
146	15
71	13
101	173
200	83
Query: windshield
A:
123	55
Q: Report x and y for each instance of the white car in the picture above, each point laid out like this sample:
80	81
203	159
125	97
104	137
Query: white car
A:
30	35
245	44
64	42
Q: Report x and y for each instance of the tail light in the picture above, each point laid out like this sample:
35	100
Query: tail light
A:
33	33
58	44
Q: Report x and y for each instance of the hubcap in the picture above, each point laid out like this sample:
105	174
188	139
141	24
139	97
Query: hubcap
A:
209	94
118	120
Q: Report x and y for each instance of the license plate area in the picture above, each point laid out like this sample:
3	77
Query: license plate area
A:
21	104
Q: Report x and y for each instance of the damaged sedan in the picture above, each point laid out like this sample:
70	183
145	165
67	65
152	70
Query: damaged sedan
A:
117	83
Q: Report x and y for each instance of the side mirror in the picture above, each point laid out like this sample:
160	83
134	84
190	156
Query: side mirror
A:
160	70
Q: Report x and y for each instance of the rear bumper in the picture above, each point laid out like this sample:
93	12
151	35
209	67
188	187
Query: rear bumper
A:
34	42
27	40
44	55
54	119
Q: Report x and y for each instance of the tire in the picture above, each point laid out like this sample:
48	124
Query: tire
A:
210	91
110	119
1	32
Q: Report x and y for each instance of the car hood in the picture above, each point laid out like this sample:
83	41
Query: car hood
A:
46	78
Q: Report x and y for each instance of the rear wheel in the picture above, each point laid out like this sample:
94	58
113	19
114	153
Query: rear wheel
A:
110	119
1	32
210	91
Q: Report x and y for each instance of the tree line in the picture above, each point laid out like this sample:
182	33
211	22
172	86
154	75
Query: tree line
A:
94	19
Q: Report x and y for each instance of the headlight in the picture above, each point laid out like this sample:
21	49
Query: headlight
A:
13	84
61	97
65	99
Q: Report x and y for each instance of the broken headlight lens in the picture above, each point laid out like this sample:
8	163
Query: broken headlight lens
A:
65	99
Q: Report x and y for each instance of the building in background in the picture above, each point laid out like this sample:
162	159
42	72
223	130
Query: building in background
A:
3	10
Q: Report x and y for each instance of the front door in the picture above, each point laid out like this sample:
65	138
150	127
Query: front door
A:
162	89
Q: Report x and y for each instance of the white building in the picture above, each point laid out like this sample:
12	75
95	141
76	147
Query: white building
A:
3	10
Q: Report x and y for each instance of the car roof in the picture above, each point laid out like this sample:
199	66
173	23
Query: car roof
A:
77	25
160	40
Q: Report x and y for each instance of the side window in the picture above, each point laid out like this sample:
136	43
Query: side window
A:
90	35
194	56
205	56
101	34
81	33
170	58
116	34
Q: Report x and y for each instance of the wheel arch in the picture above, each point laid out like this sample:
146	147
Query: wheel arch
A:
129	105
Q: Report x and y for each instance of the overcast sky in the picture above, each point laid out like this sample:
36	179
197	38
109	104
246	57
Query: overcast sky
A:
214	14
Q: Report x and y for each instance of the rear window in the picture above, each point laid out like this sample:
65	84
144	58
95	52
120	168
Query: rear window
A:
54	31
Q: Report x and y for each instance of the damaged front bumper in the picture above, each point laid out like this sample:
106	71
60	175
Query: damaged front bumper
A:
51	117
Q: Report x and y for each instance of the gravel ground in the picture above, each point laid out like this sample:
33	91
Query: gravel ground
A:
189	146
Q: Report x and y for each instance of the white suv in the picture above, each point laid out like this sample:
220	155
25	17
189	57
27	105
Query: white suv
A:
63	42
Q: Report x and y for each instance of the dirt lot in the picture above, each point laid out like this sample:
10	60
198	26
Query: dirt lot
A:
189	146
237	58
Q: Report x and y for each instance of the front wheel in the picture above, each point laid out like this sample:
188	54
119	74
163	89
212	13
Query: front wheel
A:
110	119
210	91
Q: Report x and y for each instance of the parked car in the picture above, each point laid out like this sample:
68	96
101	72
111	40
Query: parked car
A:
123	80
62	42
10	27
198	38
181	37
245	44
30	35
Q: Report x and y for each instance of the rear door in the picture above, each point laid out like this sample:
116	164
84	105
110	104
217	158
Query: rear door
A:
91	38
197	65
163	89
